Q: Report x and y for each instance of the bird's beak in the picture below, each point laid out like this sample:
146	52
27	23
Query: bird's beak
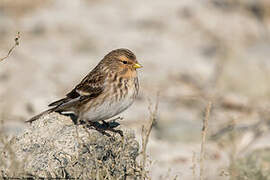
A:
137	65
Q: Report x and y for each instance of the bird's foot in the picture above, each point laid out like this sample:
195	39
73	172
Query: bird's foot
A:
106	126
112	123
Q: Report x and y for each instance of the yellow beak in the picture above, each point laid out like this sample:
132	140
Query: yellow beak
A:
137	65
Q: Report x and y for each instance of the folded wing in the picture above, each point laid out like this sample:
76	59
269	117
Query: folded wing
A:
89	88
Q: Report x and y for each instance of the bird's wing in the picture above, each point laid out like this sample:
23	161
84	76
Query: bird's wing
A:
90	87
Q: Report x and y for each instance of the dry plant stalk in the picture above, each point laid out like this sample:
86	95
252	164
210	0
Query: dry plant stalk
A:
204	133
17	37
193	165
146	131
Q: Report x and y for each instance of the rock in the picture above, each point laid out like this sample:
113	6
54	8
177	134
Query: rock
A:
53	147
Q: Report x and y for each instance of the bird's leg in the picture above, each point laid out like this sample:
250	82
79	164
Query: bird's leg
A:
76	120
98	127
112	123
102	128
106	126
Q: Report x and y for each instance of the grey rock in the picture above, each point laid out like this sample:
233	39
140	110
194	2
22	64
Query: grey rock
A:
53	147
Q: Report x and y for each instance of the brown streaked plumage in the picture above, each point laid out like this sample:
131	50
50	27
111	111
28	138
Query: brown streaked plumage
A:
109	89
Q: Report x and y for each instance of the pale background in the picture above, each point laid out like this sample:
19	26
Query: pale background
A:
192	51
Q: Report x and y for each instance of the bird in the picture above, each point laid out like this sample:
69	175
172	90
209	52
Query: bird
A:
106	91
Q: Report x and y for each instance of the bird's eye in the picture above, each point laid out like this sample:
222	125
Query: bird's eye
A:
125	62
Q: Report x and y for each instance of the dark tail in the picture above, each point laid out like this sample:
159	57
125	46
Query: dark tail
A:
41	114
58	108
59	102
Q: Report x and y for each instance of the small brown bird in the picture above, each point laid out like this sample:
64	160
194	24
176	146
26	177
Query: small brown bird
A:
109	89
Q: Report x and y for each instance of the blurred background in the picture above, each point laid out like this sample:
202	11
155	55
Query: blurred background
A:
192	51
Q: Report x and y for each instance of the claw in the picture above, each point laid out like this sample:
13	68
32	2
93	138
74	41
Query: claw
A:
106	126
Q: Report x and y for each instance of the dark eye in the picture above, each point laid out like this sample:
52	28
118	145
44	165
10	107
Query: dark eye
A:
125	62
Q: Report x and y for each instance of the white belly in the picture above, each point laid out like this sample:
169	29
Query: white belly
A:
108	109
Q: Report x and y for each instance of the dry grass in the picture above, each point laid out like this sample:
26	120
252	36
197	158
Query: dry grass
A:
147	130
16	39
204	133
194	165
146	133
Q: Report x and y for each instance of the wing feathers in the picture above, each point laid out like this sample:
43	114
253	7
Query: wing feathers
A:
90	87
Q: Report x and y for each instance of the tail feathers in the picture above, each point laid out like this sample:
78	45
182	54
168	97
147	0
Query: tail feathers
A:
41	114
59	102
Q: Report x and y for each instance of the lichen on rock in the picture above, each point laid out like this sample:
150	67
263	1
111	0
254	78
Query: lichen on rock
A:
53	147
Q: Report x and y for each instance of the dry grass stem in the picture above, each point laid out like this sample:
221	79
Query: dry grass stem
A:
147	130
194	165
204	133
17	37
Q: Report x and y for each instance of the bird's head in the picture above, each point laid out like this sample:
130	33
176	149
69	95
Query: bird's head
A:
122	61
